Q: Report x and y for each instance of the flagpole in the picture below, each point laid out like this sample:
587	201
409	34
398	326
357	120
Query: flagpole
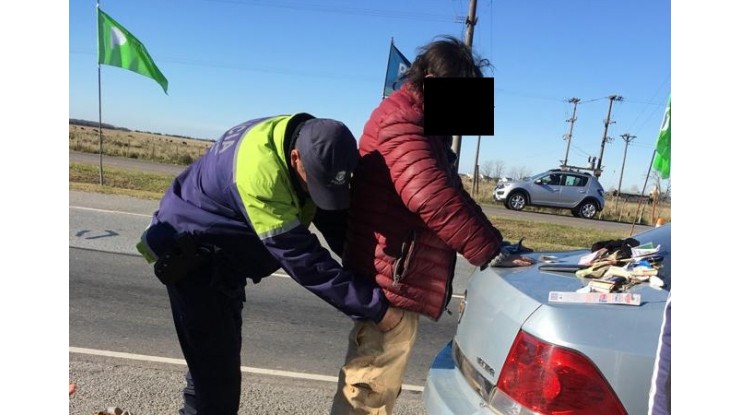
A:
639	205
387	66
100	128
100	105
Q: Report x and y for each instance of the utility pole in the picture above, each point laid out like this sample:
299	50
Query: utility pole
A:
470	23
476	169
627	138
569	136
604	139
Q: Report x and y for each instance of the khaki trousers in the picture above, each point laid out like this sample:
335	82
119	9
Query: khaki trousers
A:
370	380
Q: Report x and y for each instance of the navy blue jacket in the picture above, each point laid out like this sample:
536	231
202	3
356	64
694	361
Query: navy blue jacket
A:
243	198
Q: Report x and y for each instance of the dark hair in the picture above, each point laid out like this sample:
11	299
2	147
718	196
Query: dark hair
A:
445	58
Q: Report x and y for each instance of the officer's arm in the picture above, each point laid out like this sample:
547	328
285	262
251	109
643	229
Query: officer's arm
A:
270	209
311	265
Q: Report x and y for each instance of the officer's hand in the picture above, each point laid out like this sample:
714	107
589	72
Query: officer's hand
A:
390	320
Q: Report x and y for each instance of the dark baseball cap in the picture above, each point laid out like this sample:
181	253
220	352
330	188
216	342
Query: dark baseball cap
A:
329	154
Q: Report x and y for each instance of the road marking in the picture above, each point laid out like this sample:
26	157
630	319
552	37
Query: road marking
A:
110	211
245	369
148	216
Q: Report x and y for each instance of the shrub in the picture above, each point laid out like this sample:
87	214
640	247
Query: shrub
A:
185	159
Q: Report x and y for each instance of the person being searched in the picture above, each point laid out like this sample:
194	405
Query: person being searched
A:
409	217
241	211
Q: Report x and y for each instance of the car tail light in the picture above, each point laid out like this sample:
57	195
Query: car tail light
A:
549	379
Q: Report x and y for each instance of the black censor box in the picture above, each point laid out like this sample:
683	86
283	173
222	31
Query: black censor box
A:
458	106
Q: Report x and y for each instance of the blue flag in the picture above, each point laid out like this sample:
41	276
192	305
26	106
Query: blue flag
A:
397	66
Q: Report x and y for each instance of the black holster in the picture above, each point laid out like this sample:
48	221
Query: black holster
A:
185	257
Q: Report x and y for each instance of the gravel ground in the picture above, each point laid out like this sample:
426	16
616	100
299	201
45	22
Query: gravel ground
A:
154	388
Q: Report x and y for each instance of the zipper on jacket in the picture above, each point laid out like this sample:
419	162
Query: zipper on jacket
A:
403	261
448	287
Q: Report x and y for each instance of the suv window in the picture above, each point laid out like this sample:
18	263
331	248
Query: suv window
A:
571	180
552	179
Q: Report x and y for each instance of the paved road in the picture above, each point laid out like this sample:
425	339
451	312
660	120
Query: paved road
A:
124	163
123	349
122	345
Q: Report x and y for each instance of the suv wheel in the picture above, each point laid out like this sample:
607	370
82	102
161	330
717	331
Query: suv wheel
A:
516	201
587	209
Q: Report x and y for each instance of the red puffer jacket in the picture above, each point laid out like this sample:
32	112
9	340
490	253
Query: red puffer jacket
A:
410	213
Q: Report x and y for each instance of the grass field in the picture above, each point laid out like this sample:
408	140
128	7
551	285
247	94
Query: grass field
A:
137	145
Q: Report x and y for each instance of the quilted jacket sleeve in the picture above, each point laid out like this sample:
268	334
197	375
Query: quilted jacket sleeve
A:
421	176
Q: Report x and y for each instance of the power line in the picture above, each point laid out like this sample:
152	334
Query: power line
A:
582	151
586	101
646	104
648	119
529	95
260	69
340	10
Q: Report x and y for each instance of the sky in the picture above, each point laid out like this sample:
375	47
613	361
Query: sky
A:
228	61
543	55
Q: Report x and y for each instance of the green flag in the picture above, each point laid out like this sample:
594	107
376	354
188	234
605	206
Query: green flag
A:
118	47
662	160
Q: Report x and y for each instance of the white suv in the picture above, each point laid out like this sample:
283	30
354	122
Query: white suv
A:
580	192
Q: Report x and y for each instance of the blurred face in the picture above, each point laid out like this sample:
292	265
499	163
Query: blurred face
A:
297	165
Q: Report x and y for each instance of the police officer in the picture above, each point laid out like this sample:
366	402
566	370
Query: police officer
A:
242	211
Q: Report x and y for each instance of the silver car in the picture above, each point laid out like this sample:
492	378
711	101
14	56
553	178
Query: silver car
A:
579	192
517	351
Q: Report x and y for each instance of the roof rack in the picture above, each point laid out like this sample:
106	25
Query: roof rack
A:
572	170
